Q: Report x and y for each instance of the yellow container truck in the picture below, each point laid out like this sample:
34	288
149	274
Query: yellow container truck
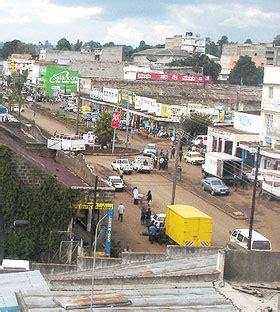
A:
188	226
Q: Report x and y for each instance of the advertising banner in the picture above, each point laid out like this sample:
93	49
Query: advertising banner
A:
116	120
58	80
127	98
111	95
96	94
145	104
109	231
173	77
158	109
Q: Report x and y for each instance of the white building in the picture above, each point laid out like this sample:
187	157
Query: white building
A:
189	42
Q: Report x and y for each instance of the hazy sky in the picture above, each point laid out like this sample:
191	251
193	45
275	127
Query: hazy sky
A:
129	21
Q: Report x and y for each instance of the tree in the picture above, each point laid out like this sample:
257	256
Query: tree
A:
276	40
196	123
92	45
248	41
63	44
245	72
221	42
109	44
127	51
103	129
211	47
16	46
78	45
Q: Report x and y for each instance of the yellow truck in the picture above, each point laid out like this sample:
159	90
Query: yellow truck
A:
188	226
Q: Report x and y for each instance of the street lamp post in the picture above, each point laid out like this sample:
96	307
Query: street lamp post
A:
94	256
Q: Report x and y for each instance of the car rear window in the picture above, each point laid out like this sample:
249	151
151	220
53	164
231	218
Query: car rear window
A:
261	245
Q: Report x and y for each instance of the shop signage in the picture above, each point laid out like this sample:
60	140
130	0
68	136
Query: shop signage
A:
89	205
173	77
116	119
109	231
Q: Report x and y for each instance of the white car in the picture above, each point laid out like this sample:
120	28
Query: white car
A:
116	182
143	164
122	165
150	150
158	219
29	98
195	158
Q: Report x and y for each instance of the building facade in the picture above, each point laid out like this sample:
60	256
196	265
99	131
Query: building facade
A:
190	43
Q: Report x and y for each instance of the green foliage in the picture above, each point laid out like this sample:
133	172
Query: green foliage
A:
78	45
92	45
249	41
103	129
245	72
63	44
16	46
221	42
109	44
196	124
47	206
199	63
276	40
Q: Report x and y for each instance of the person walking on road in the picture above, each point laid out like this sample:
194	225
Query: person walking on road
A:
143	215
244	181
180	154
149	198
173	150
135	195
120	211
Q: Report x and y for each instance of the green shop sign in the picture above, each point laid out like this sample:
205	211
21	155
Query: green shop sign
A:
58	80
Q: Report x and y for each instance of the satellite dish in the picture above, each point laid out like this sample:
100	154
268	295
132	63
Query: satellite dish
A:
151	58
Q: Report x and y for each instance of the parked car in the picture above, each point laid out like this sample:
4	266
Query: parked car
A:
158	219
150	149
116	182
215	186
29	98
240	238
86	117
122	165
195	158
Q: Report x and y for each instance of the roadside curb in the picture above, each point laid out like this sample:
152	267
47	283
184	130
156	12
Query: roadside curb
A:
237	215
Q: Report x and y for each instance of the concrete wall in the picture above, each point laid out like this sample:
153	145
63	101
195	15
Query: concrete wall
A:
85	263
132	257
35	132
53	268
77	165
174	251
252	266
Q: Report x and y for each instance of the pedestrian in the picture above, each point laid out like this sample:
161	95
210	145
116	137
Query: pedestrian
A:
155	162
161	162
149	198
180	154
135	195
173	150
235	182
55	133
148	214
120	211
121	173
244	181
143	215
161	153
167	155
179	172
152	230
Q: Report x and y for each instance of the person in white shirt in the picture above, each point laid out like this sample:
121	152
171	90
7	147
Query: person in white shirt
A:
135	195
120	211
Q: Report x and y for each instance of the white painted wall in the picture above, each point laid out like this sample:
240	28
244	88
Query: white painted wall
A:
247	122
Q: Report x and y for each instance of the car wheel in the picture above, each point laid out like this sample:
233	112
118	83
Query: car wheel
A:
212	192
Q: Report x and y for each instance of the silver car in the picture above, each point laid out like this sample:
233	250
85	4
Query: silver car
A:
215	186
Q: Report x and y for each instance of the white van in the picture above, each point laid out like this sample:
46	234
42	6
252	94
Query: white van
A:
240	237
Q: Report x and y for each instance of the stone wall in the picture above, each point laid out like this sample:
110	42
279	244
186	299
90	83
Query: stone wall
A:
252	266
35	132
26	172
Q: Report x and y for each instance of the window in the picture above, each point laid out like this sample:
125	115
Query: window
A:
234	234
270	92
240	237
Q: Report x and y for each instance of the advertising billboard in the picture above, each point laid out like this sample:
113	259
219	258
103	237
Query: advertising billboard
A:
116	119
111	95
58	80
173	77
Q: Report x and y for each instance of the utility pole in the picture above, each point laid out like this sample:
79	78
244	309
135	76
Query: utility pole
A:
127	122
78	106
254	199
177	133
93	208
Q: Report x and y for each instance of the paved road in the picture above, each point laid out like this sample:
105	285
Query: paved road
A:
267	213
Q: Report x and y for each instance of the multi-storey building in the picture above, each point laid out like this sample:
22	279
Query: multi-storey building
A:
190	43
